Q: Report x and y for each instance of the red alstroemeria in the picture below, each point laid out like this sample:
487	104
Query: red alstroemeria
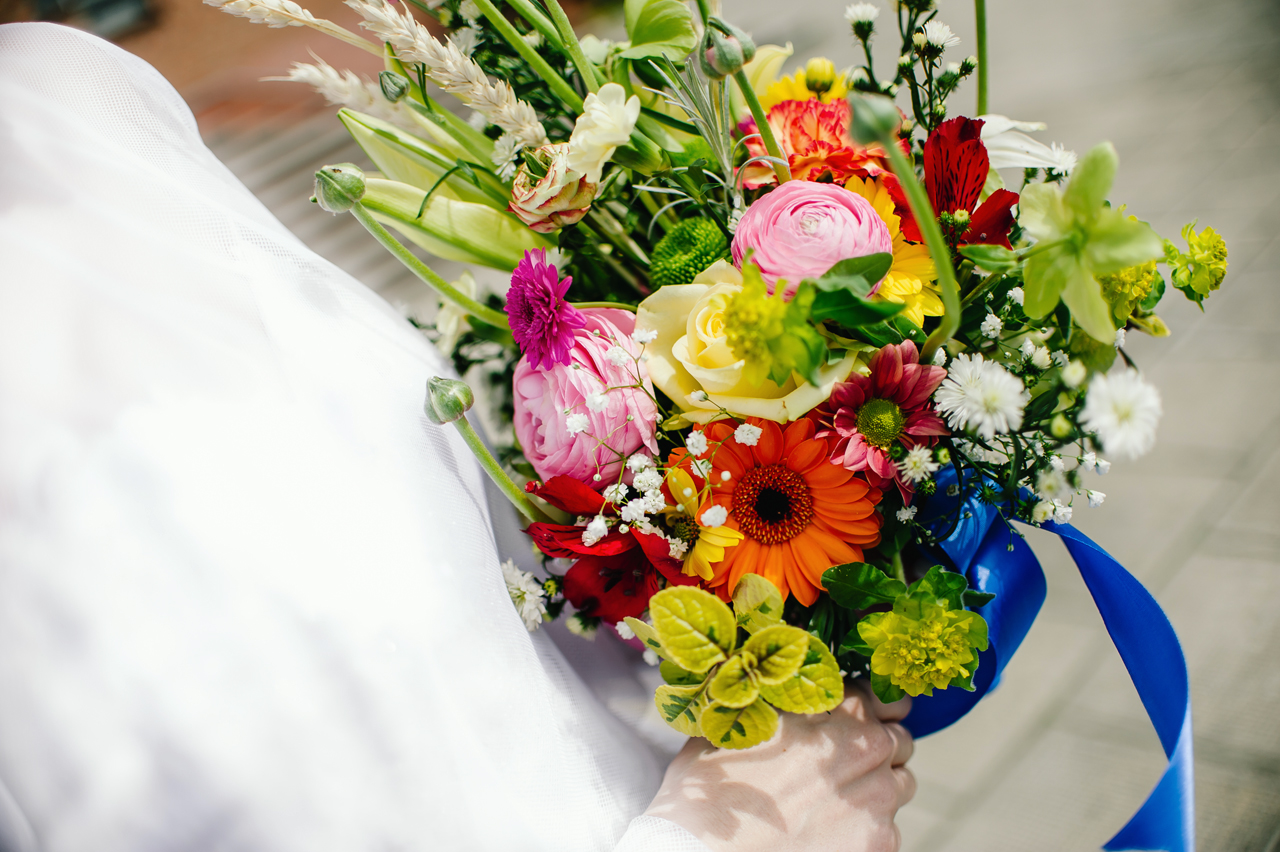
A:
615	575
956	165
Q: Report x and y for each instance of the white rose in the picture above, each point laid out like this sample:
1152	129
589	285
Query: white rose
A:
607	119
692	363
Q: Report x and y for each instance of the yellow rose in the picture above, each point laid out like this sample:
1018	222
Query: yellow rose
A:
691	354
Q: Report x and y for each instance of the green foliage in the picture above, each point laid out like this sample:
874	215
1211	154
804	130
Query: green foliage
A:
695	628
843	292
738	728
659	28
756	603
680	708
858	585
815	688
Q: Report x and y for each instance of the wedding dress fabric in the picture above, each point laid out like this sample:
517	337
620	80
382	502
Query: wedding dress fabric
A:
250	599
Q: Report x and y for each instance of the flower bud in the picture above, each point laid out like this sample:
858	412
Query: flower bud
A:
546	194
394	86
725	49
875	119
819	75
447	400
338	187
1061	427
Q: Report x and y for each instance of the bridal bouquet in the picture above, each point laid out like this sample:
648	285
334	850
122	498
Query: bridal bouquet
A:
782	360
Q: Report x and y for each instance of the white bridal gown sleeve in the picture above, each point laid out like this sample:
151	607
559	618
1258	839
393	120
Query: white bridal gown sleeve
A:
250	599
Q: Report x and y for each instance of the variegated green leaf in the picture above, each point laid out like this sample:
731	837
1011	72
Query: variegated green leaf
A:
735	682
738	727
779	652
756	603
694	626
646	634
816	688
680	707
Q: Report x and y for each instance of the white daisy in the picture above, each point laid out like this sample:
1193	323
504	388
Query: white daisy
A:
1074	374
1041	359
861	13
918	464
1123	409
939	35
981	395
526	593
1052	485
1042	512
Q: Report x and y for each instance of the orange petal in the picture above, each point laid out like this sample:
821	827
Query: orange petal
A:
798	431
768	450
827	476
806	455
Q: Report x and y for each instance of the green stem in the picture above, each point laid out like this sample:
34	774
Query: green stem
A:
899	570
553	80
938	249
482	312
623	306
587	69
704	11
614	232
499	476
980	13
762	124
982	287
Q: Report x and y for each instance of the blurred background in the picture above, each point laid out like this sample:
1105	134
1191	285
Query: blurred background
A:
1062	754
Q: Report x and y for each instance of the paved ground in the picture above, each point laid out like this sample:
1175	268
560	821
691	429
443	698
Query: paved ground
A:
1063	753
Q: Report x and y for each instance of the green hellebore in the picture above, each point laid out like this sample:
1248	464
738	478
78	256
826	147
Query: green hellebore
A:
1082	239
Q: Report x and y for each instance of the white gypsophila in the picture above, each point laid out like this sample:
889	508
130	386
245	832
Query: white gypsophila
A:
698	396
1066	160
1074	374
992	326
1123	410
616	493
981	395
1119	341
617	356
1057	463
345	88
1016	295
639	462
577	423
1088	462
1061	358
644	335
651	657
451	321
918	464
677	547
469	10
861	13
578	627
1027	348
648	479
940	357
1042	512
702	467
624	631
451	70
747	435
597	402
1095	498
1102	466
714	517
526	593
939	35
477	121
634	511
1061	512
597	529
906	513
505	154
608	117
1041	359
654	502
696	443
1052	485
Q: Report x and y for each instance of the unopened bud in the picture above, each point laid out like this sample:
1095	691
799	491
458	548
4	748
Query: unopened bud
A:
339	187
819	75
1060	427
725	49
394	86
447	400
875	119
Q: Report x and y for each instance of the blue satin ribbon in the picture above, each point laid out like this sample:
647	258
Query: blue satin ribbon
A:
997	560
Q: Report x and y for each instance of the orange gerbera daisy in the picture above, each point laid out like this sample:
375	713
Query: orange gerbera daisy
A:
799	514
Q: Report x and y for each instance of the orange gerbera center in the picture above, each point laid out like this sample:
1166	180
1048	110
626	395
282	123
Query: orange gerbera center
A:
772	504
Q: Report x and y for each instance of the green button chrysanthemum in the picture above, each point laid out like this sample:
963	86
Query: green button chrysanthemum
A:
686	250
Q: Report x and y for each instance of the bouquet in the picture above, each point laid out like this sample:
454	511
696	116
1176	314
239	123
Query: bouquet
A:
781	362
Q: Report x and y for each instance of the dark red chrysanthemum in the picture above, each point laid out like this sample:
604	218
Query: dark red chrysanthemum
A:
542	322
614	576
956	165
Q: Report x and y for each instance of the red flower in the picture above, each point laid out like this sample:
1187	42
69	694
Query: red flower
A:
614	576
955	169
814	137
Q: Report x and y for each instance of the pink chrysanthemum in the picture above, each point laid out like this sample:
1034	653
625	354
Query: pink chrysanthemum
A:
542	322
868	414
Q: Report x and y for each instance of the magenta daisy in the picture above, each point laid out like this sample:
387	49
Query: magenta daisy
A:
868	414
542	322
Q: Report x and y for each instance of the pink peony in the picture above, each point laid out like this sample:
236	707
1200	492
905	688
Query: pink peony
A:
802	229
867	415
542	322
572	420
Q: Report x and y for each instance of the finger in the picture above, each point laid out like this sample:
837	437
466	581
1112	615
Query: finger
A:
905	782
903	744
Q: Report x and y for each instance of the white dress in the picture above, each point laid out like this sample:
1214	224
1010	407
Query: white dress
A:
249	598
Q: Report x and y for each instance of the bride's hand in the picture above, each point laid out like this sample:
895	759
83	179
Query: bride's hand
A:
827	781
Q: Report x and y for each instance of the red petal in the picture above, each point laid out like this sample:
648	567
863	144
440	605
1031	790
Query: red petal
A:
566	541
611	587
572	496
992	221
955	165
658	550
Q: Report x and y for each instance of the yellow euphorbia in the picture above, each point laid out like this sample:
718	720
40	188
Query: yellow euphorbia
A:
912	280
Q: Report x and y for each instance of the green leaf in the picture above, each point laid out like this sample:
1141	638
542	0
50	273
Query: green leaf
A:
676	676
694	626
756	603
1089	308
852	311
779	652
991	258
857	585
659	28
679	707
816	688
646	634
885	690
857	275
1153	296
854	642
1091	180
736	728
945	585
735	683
1044	279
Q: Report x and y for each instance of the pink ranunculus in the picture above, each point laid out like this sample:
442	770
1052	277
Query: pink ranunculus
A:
802	229
571	419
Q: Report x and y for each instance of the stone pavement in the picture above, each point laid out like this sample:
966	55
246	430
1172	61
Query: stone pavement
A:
1062	754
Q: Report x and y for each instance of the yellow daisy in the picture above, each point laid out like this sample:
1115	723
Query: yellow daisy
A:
912	280
818	79
707	542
